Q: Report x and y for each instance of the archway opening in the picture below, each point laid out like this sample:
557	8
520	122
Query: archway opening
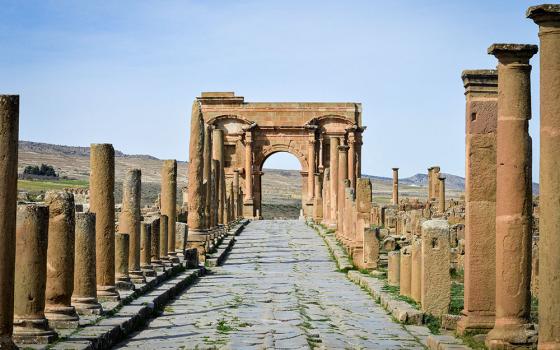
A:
281	187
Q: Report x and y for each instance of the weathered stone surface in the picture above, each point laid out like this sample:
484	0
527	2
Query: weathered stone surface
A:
102	203
84	298
30	323
9	131
416	270
405	275
169	201
122	252
436	280
129	220
60	260
394	269
547	16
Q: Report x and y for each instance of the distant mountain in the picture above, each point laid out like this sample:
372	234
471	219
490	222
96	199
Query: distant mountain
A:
452	182
40	147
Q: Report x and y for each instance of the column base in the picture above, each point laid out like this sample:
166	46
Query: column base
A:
148	271
33	331
107	293
158	266
248	210
137	277
64	317
198	239
509	335
124	283
87	306
471	324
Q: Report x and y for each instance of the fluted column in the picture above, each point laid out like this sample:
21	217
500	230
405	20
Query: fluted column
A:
102	203
513	198
9	131
548	19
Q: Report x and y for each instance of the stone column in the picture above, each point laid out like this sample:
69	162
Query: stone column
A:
30	324
395	199
146	250
436	280
9	131
481	91
311	167
154	250
548	19
197	203
394	268
441	204
122	252
235	193
84	298
60	261
102	203
435	186
231	203
182	231
163	228
405	275
513	198
169	202
129	221
318	200
333	166
352	159
321	166
342	175
248	201
416	270
215	184
358	145
430	183
218	154
207	173
326	196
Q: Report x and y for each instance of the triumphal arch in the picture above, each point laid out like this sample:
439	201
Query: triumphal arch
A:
309	131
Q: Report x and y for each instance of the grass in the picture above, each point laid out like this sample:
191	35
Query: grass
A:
223	327
46	185
471	342
457	298
433	323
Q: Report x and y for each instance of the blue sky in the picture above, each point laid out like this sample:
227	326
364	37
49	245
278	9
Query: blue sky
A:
126	72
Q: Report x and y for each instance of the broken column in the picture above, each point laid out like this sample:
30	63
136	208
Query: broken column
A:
30	324
481	91
342	175
363	211
84	298
129	221
395	198
441	204
9	133
513	198
163	252
436	280
60	260
122	252
393	268
430	185
154	256
405	275
182	232
146	250
196	206
548	19
169	202
102	203
334	143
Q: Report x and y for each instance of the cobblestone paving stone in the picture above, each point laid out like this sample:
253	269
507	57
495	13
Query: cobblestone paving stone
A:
278	289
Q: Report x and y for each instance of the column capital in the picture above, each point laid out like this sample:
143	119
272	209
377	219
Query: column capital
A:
546	14
480	81
513	53
395	169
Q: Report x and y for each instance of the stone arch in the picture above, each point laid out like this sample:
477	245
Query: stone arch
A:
267	151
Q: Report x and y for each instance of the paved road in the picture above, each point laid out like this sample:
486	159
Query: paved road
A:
279	289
